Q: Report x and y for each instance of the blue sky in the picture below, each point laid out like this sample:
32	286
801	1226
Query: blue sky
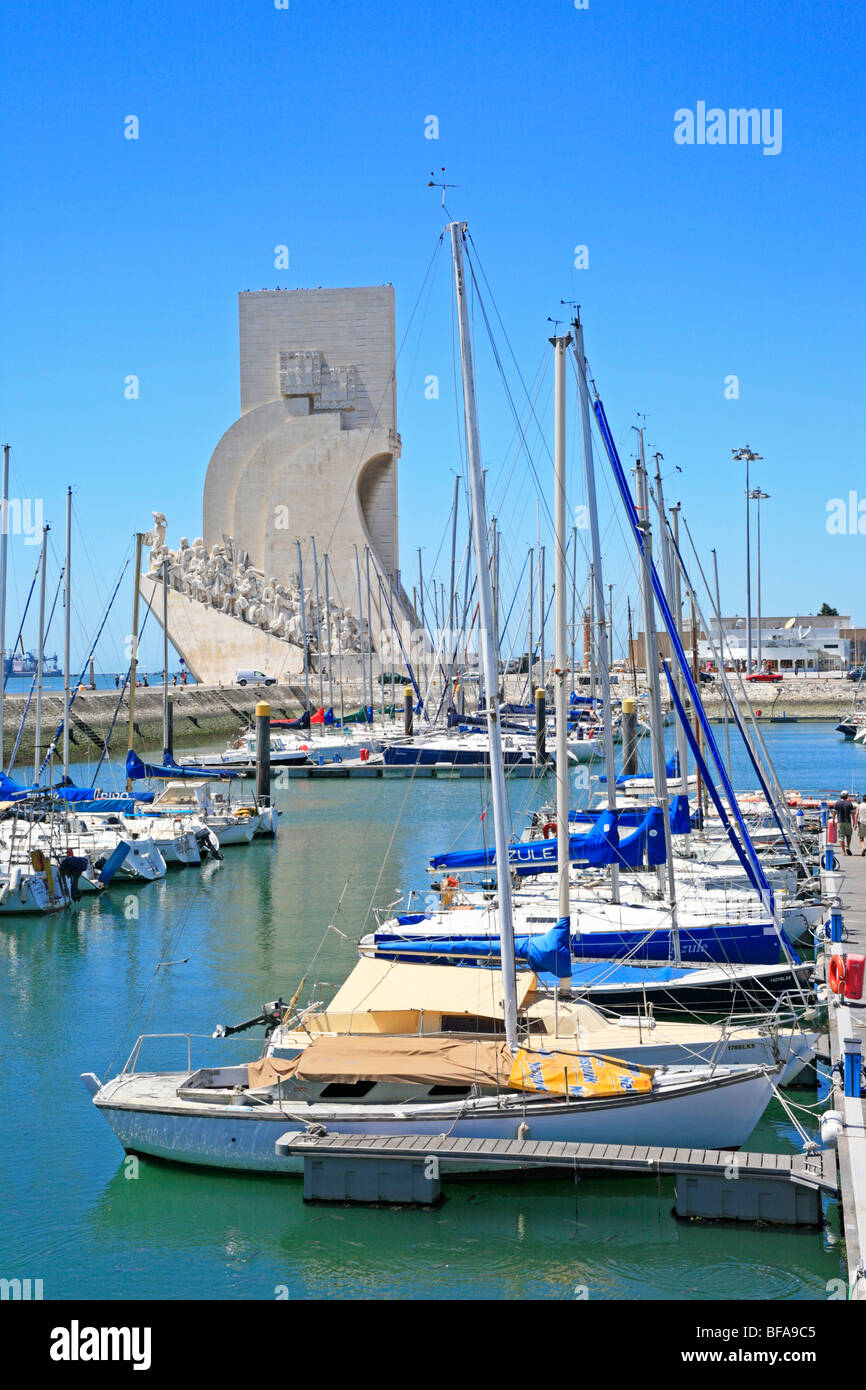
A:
306	127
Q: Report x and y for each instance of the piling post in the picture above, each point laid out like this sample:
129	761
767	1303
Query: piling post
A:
407	710
263	753
540	726
629	737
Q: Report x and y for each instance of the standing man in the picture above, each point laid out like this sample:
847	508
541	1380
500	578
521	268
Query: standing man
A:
861	825
843	813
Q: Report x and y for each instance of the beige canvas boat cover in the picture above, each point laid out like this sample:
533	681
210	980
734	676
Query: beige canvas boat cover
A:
381	985
425	1061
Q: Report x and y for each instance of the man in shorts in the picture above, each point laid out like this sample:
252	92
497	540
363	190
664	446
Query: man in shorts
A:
861	825
844	812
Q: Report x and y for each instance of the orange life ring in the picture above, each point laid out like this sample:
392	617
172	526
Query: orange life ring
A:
837	974
549	829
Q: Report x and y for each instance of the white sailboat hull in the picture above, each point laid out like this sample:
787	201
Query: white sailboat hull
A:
148	1118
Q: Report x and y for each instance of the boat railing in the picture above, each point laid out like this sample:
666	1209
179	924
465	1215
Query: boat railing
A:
132	1059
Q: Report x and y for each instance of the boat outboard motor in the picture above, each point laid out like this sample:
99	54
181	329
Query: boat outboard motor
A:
208	844
270	1016
70	868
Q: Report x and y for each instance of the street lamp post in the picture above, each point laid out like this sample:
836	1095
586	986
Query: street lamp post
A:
746	455
758	496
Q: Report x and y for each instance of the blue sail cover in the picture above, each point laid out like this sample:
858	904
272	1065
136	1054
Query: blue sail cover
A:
534	856
739	943
84	798
680	816
12	791
137	771
549	954
598	847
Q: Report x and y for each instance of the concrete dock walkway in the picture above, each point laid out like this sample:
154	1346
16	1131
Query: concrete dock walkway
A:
848	1020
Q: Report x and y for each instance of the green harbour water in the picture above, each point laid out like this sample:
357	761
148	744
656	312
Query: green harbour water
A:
77	989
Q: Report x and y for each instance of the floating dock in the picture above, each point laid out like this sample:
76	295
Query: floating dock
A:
330	772
713	1184
847	1022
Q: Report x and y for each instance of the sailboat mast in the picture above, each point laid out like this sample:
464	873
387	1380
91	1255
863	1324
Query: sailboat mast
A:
328	622
304	626
598	585
489	656
531	602
133	667
39	655
67	629
453	597
722	655
660	781
370	629
573	604
361	621
318	627
674	598
167	749
560	345
542	654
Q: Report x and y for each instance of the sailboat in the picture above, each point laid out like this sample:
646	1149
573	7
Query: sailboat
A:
232	1117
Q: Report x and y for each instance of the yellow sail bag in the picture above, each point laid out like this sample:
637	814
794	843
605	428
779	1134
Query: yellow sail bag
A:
577	1074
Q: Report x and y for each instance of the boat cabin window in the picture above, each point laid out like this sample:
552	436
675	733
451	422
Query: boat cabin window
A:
450	1090
347	1090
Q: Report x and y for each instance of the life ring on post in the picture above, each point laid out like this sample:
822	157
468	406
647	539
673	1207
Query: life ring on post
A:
837	974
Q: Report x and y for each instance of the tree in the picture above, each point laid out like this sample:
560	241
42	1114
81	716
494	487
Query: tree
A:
825	611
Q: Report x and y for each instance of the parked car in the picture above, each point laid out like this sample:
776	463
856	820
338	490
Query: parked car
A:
858	674
765	676
706	676
254	678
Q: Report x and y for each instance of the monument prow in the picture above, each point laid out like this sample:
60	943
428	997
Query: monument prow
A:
313	455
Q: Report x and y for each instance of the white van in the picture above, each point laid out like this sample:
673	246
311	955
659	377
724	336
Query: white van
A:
254	678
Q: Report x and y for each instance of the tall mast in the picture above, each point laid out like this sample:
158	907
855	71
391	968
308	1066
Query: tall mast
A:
598	585
361	621
39	655
660	781
531	603
304	627
542	654
328	622
573	603
370	625
674	603
561	629
133	666
67	629
489	654
4	545
318	627
722	657
678	595
453	597
166	740
596	615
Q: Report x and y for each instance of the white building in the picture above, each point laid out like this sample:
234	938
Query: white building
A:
789	644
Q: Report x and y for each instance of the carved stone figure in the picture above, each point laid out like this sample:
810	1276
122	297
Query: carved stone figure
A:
223	579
